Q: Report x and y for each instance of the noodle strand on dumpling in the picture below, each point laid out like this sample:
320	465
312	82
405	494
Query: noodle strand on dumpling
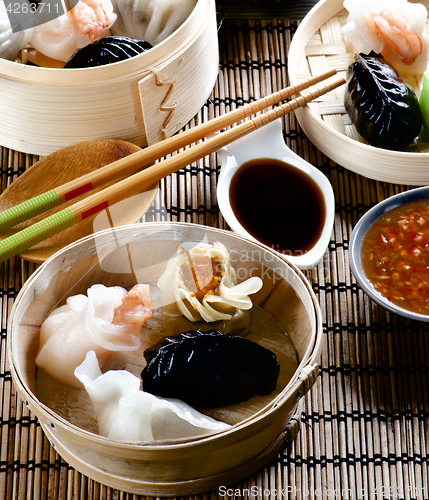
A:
203	284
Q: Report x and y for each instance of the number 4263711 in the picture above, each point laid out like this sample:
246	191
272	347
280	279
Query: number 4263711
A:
32	7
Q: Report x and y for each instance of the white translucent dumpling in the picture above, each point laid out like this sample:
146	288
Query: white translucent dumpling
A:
397	29
88	21
11	43
150	20
107	320
126	413
203	284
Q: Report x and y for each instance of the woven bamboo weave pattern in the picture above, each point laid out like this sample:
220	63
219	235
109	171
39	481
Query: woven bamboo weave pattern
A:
328	49
364	430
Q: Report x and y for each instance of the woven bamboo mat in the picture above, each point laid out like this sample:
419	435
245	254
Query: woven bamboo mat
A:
364	426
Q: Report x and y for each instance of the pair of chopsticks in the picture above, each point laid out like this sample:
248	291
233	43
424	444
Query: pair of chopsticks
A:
107	197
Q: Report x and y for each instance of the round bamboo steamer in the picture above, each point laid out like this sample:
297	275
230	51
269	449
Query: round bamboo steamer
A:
260	427
318	45
142	100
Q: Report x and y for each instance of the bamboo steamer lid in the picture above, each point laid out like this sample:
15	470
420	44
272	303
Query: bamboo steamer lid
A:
142	100
260	427
317	46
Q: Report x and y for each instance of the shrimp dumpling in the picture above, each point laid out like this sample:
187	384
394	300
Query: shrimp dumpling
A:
88	21
150	20
126	413
396	29
107	320
203	284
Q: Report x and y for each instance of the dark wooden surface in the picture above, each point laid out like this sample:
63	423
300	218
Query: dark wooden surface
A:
263	9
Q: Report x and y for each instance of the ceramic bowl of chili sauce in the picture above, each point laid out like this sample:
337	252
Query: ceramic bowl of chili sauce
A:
389	253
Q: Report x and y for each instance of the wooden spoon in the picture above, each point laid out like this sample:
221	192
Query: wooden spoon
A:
63	166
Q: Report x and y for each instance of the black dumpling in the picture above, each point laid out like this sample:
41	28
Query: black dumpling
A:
107	51
209	369
383	108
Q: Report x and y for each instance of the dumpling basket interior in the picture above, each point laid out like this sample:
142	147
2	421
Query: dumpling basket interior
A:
260	427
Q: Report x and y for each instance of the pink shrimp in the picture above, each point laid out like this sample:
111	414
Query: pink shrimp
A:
136	307
90	18
391	28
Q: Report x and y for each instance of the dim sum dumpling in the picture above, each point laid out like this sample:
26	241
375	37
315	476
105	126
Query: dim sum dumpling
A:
150	20
11	43
394	28
210	369
203	284
107	320
61	37
126	413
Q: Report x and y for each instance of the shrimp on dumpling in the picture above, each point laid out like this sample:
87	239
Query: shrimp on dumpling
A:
107	320
396	29
88	21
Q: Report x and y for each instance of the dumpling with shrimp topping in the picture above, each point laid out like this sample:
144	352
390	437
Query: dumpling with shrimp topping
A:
107	321
202	283
88	21
396	29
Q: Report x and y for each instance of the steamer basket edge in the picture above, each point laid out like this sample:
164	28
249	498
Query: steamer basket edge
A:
113	108
271	425
195	486
358	157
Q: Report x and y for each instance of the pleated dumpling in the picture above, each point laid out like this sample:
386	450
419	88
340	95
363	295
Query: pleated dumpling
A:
150	20
126	413
203	284
107	320
209	369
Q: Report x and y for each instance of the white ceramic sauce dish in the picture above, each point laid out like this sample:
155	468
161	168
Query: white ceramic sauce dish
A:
268	143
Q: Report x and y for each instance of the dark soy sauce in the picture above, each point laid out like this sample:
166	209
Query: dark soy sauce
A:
278	204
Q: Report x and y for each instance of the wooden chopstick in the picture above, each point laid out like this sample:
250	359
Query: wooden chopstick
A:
63	219
130	164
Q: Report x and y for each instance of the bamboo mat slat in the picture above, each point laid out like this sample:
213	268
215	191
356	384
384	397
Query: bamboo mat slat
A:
364	425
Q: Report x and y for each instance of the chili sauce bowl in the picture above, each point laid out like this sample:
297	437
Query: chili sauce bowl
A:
269	194
357	250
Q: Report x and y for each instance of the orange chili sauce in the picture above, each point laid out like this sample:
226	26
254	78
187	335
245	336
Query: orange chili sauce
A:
395	256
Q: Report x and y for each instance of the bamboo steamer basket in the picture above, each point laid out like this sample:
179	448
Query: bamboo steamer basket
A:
260	427
141	100
318	45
